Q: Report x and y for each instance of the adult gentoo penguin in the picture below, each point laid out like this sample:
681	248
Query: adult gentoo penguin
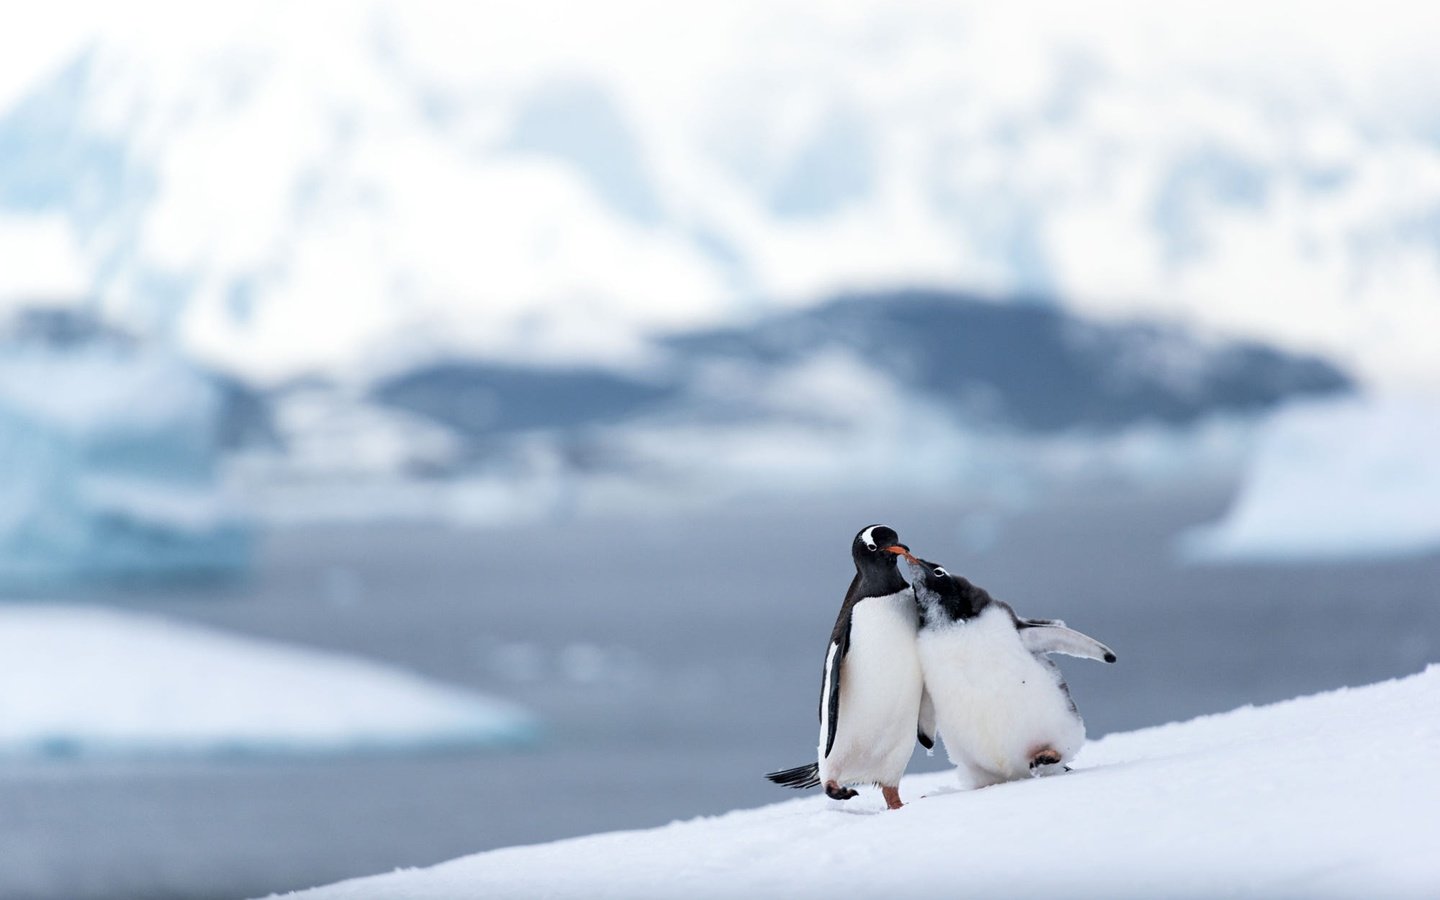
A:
870	691
1000	705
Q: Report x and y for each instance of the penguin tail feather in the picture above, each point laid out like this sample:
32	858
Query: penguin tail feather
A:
800	777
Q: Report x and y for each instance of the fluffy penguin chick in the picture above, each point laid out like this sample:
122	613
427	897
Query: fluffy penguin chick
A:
1000	705
870	688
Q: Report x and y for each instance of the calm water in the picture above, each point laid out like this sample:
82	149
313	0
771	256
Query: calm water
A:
675	660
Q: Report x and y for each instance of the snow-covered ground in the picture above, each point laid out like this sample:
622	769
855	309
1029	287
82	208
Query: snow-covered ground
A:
82	681
1331	795
1351	478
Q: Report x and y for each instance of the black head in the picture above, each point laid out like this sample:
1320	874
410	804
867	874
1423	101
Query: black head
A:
874	551
875	546
942	595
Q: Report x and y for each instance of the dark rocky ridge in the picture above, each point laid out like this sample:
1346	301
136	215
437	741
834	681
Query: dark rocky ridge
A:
1021	365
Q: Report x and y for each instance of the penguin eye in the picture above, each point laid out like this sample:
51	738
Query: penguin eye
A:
870	546
940	573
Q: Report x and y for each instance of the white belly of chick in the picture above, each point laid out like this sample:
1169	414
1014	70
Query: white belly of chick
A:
880	687
996	705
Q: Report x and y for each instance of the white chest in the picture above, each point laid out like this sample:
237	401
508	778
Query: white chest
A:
880	687
883	665
995	702
885	623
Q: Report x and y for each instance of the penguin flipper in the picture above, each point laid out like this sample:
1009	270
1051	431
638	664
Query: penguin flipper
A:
925	727
830	695
1052	636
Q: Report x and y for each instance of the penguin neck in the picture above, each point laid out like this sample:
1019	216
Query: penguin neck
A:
878	581
951	606
964	606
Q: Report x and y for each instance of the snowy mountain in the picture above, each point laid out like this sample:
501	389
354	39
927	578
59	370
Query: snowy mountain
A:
405	201
1280	801
960	393
1018	365
353	188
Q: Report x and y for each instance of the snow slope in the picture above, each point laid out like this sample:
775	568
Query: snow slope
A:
1331	795
332	186
82	681
1352	478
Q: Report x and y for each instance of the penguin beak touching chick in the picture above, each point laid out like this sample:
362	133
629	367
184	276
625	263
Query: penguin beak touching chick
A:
937	655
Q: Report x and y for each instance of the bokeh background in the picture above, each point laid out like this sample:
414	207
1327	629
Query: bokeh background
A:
428	427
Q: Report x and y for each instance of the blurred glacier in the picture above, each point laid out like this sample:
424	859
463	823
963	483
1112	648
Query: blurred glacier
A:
1358	477
87	682
473	262
111	453
342	187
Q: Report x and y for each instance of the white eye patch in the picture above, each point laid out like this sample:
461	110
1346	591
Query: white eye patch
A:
867	537
941	573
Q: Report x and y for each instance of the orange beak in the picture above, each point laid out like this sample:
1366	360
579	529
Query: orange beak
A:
901	550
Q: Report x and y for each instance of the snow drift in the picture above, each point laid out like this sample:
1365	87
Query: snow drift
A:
1324	796
89	682
1354	478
